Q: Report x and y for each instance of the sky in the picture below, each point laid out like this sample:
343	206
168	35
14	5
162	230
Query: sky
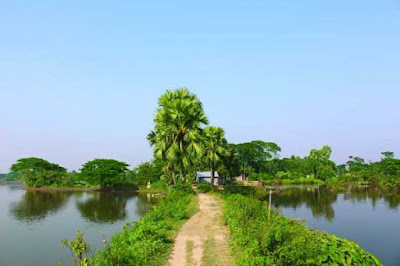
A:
80	79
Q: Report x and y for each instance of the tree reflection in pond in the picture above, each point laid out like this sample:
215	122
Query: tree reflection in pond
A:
110	207
320	200
145	203
36	205
363	193
104	207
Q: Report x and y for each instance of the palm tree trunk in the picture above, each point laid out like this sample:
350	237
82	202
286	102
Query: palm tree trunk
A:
212	176
173	177
181	166
181	174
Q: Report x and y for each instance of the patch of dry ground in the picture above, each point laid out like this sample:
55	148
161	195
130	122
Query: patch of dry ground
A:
203	239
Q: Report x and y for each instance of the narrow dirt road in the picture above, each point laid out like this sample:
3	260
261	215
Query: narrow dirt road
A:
203	239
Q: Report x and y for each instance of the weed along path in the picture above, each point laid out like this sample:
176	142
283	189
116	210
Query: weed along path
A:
203	239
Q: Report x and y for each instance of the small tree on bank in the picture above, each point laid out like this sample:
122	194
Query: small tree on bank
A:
37	172
105	172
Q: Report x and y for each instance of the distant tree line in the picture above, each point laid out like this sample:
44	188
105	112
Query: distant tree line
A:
105	173
184	143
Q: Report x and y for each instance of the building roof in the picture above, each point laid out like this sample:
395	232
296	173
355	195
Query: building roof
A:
206	174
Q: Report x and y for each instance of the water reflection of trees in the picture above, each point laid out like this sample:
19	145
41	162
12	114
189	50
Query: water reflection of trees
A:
364	193
105	206
145	203
36	205
318	200
109	207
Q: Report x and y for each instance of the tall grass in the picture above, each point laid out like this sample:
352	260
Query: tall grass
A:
258	240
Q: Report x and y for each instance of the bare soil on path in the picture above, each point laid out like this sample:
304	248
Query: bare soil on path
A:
203	239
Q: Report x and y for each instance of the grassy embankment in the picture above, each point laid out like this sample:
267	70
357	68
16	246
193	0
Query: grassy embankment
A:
263	237
147	242
157	187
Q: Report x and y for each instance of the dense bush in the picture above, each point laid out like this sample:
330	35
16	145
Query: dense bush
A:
184	187
282	241
149	241
104	172
205	187
393	184
148	171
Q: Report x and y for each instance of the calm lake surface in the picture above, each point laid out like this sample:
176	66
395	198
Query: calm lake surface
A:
33	223
367	216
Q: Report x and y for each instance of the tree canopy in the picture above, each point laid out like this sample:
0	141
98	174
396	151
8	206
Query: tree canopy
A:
105	172
177	135
37	172
253	155
215	147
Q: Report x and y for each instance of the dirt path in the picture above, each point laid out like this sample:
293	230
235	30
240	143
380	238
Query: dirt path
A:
203	238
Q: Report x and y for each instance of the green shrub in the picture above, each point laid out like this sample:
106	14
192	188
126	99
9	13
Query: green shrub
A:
393	184
238	189
185	187
149	241
205	187
159	185
282	241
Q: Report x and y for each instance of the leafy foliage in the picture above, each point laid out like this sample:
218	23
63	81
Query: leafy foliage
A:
37	172
177	135
80	250
149	241
12	176
281	241
252	155
148	171
105	172
215	147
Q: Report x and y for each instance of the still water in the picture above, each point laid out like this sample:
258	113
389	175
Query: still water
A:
33	223
367	216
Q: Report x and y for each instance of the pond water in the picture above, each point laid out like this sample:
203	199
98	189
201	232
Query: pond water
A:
33	223
367	216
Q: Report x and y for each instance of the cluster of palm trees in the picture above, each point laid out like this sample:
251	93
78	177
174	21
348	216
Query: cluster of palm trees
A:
182	138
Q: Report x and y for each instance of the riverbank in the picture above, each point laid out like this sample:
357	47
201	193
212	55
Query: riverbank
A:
260	236
149	241
186	229
157	189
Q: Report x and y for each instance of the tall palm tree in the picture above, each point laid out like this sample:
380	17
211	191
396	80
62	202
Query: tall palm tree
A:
177	134
215	147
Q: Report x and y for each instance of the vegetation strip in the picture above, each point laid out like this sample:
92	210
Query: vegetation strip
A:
258	240
149	241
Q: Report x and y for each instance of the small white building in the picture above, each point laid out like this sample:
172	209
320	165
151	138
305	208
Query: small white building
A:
205	177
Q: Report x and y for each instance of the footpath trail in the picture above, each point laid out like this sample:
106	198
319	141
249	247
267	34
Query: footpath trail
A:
203	239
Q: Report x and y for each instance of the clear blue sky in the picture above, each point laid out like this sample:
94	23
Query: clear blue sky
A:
80	79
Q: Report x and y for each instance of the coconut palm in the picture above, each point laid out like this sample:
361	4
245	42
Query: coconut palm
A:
177	134
215	147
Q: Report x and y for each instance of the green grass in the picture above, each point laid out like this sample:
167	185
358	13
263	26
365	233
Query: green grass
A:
210	255
156	187
282	241
189	253
149	241
301	181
